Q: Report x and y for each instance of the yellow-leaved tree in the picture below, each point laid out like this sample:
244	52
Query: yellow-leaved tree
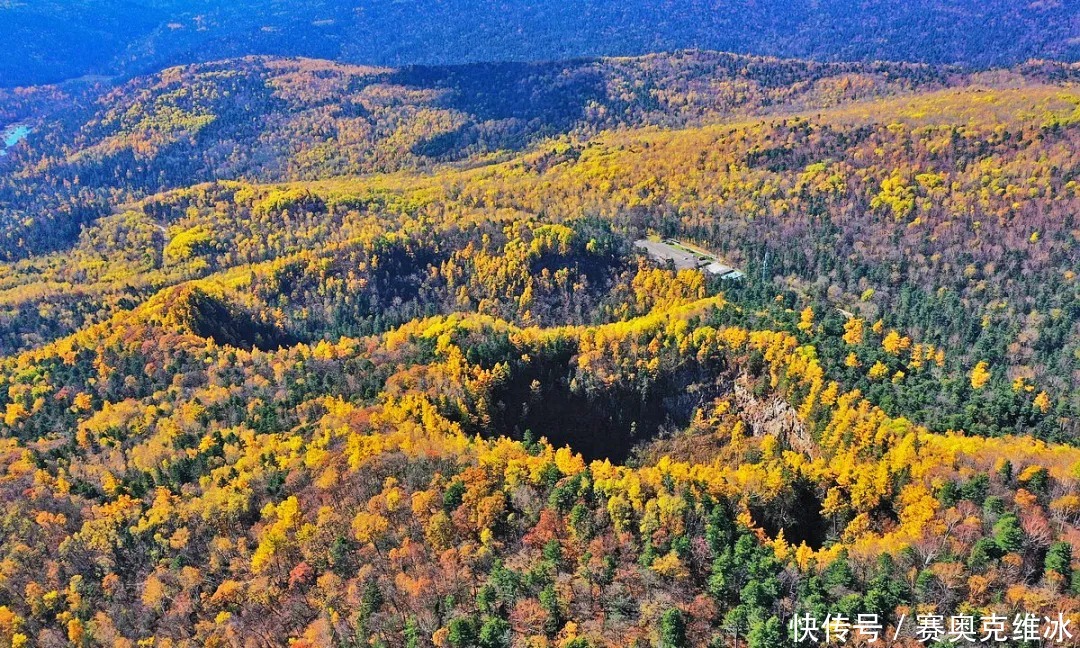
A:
980	375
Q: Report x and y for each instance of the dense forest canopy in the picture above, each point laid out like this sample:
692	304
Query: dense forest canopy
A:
53	40
299	352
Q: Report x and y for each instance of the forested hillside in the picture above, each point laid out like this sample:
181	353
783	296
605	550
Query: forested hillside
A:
296	352
272	120
53	40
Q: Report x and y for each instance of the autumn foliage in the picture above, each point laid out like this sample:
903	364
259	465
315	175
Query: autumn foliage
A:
442	400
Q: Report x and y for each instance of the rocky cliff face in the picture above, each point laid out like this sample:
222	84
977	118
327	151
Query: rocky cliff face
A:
774	416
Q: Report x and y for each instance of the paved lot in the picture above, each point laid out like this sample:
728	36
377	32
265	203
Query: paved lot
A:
682	258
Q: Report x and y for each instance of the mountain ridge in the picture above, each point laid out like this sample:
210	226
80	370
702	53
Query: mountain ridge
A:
164	32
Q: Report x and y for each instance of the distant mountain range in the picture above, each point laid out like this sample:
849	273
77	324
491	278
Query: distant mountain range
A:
52	41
